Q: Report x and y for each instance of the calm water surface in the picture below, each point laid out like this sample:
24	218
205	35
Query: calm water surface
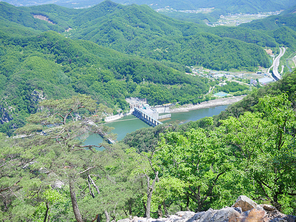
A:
130	123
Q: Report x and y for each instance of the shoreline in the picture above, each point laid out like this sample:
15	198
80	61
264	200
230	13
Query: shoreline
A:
207	104
187	107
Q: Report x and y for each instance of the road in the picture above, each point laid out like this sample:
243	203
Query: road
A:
276	64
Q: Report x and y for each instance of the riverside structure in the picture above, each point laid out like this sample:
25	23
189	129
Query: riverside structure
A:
149	119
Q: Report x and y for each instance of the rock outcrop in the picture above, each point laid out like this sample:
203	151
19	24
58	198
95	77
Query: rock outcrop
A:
243	210
5	117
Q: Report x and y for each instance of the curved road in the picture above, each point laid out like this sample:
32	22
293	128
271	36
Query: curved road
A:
276	64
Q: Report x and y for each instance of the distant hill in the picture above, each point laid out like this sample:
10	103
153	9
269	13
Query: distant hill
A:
224	6
139	30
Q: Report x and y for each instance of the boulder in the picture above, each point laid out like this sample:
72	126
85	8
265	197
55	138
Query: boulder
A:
185	214
245	203
244	210
203	216
224	215
268	207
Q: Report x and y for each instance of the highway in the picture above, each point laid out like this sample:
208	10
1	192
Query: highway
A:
276	63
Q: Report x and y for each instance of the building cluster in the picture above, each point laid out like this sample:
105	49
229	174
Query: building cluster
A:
136	102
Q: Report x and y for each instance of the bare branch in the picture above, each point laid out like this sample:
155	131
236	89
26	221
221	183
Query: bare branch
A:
86	170
90	190
3	165
93	183
8	188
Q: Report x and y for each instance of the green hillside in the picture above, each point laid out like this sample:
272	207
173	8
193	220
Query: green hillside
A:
224	6
57	87
35	64
25	17
51	66
139	30
260	130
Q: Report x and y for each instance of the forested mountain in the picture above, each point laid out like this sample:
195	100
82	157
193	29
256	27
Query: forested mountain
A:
140	30
52	66
57	86
224	6
249	149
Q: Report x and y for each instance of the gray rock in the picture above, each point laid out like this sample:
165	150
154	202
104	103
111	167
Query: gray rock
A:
224	214
258	207
243	210
245	203
238	209
185	214
245	213
202	216
291	218
124	220
278	220
5	116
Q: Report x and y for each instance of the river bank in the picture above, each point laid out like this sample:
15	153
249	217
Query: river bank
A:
207	104
130	123
117	117
186	107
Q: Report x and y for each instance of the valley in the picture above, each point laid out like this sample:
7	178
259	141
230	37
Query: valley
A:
221	101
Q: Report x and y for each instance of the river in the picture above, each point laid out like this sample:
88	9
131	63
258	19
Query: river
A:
130	123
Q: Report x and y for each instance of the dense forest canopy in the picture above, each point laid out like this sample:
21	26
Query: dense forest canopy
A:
37	64
224	6
202	164
51	66
140	30
60	78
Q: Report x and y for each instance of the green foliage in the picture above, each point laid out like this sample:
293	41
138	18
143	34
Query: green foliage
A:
244	34
285	85
273	22
24	17
200	160
146	139
141	31
267	151
232	87
51	66
42	172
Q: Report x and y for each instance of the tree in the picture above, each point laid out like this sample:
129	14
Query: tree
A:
15	177
264	146
57	132
199	160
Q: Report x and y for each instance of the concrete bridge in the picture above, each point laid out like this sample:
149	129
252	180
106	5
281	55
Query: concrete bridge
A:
142	115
